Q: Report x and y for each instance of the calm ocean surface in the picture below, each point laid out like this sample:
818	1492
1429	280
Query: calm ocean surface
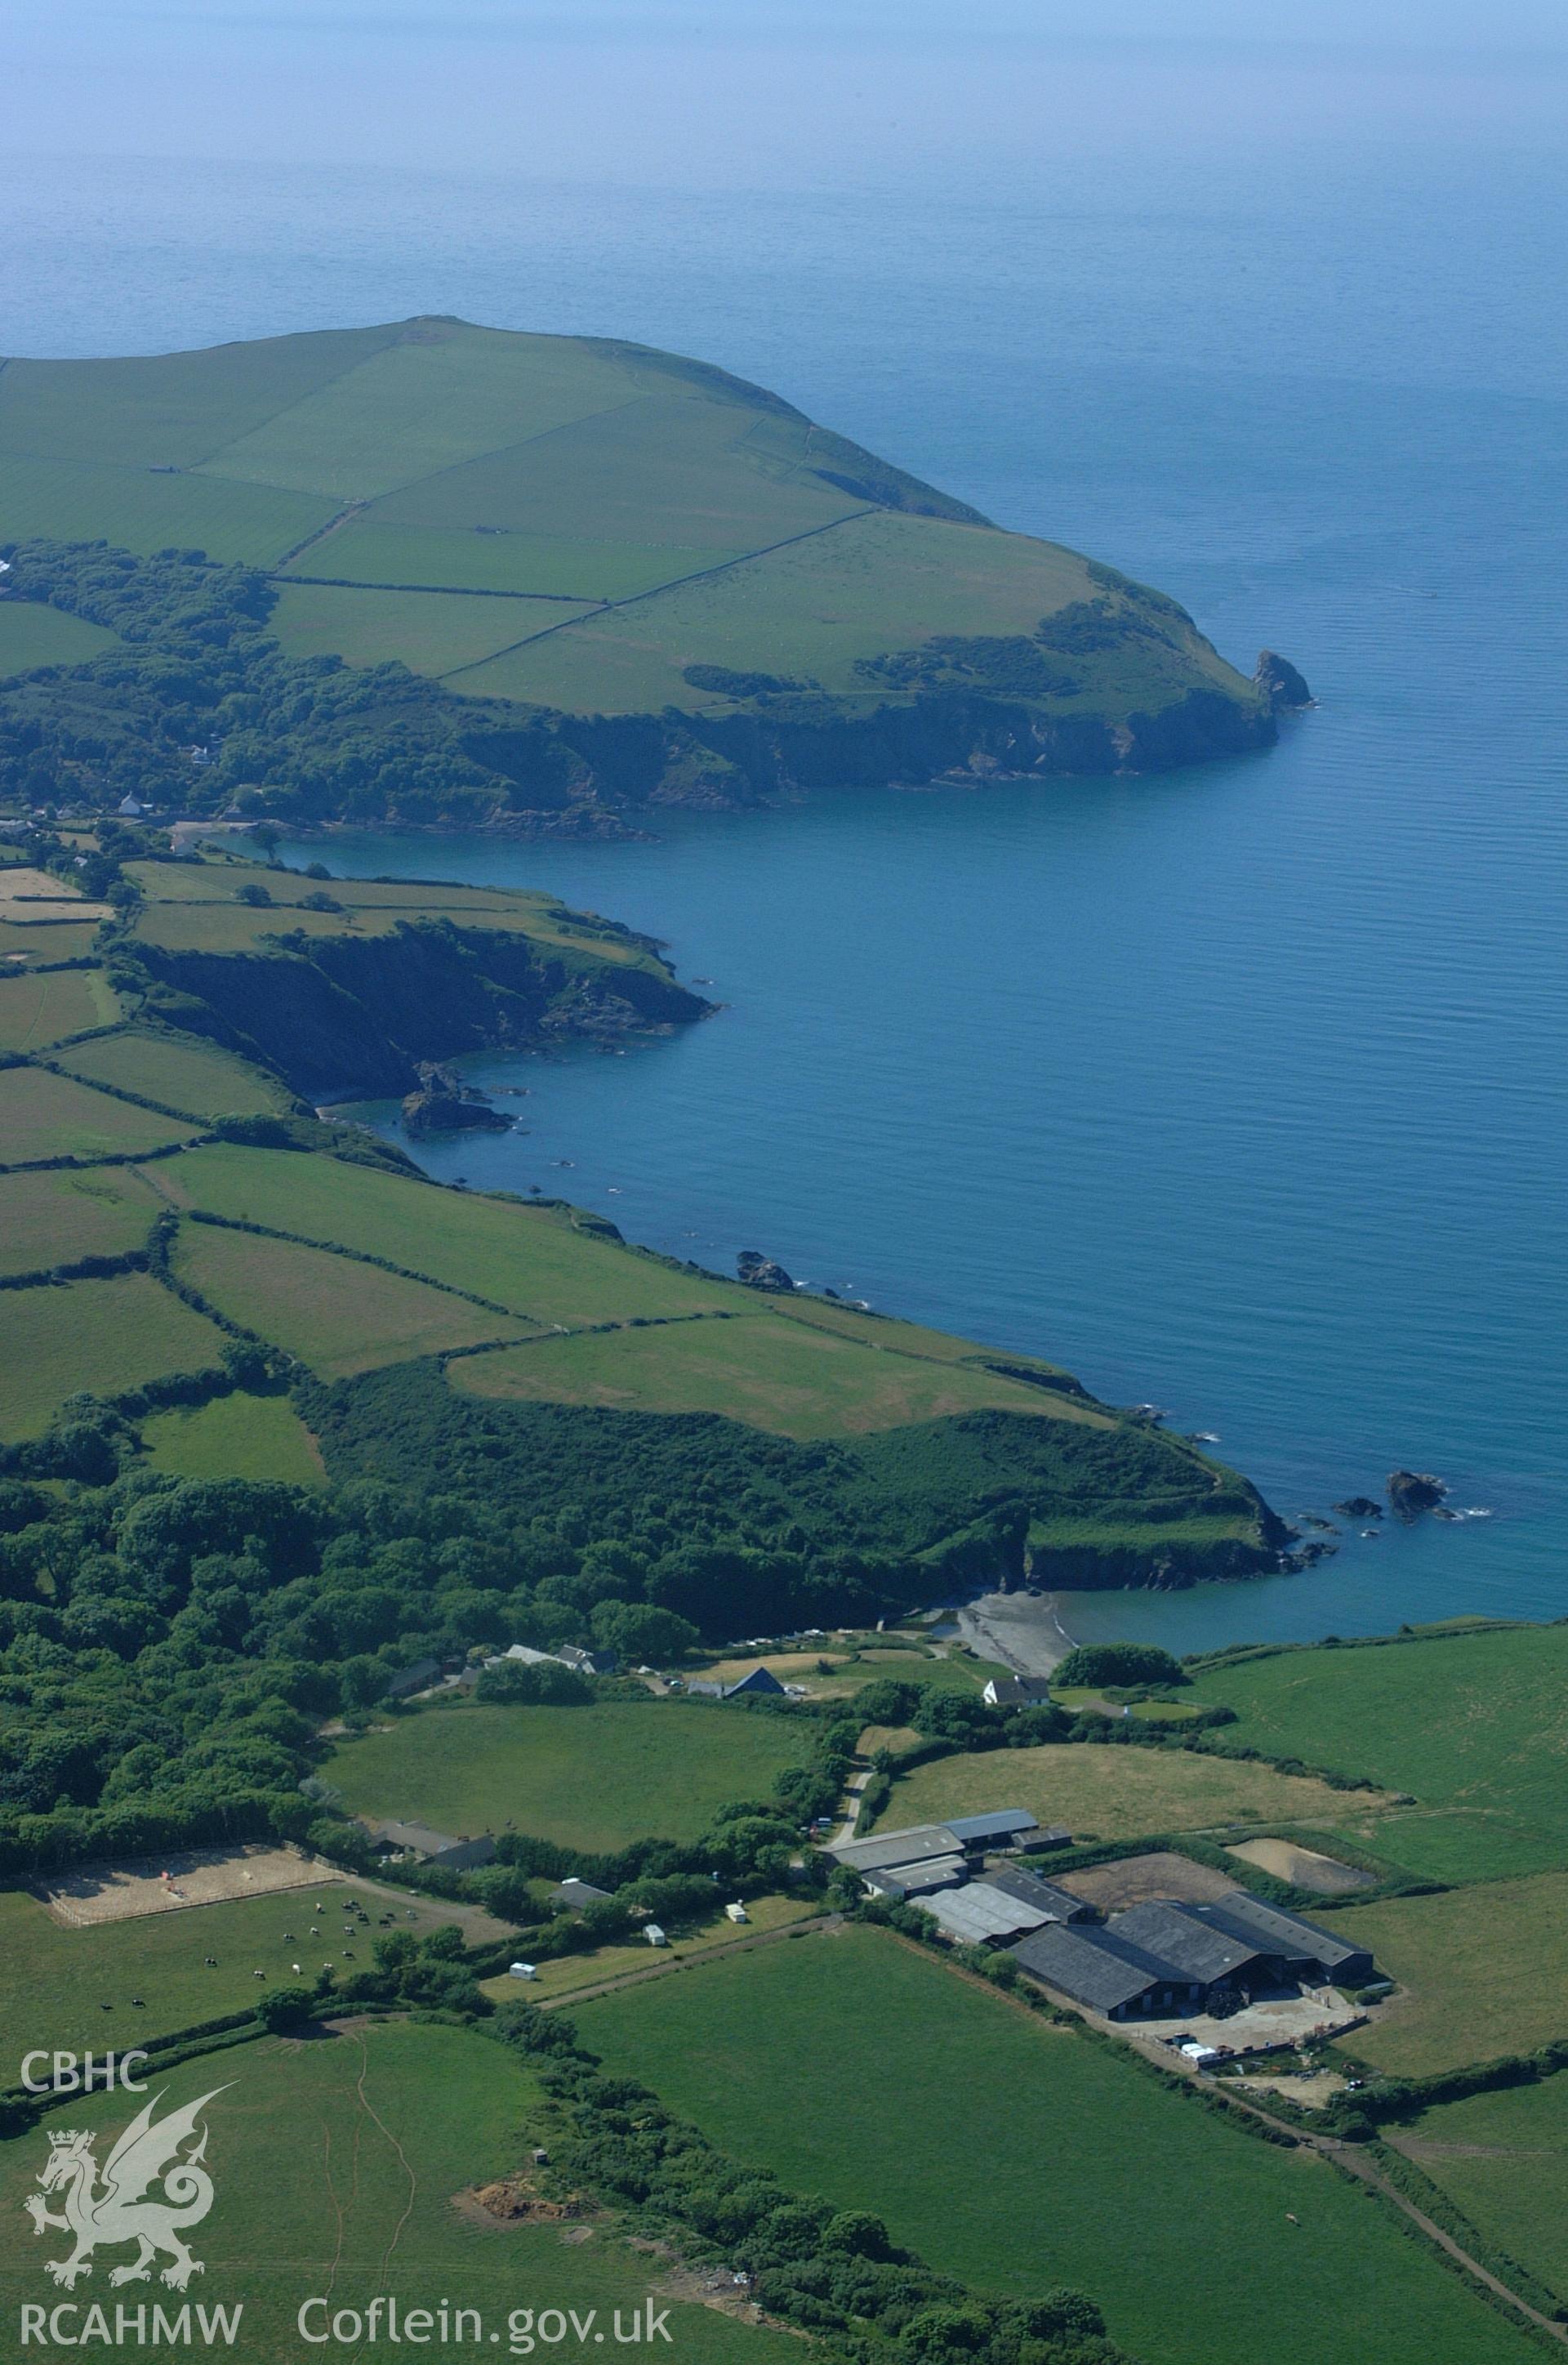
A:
1241	1089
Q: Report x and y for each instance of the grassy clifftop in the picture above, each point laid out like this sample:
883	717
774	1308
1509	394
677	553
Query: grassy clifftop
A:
613	576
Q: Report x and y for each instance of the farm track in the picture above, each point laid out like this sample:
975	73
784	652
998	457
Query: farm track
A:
823	1924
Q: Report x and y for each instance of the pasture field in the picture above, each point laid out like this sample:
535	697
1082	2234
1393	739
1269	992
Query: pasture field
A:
342	2165
567	1973
43	1115
852	2065
902	1338
337	1315
59	1217
168	410
39	943
430	632
1110	1791
41	1007
55	1982
525	1258
1483	1972
865	586
663	468
754	1368
1503	2159
1475	1725
99	1336
33	635
183	1073
225	926
235	1436
556	567
74	500
432	395
594	1779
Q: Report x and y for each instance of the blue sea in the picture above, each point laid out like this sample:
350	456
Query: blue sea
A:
1239	1090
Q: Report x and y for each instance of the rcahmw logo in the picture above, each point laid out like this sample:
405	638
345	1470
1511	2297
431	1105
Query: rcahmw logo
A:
151	2191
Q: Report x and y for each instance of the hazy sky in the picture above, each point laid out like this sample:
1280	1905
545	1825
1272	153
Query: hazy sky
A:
762	92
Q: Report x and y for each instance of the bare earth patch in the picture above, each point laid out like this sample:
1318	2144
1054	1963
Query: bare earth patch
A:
1136	1878
1304	1866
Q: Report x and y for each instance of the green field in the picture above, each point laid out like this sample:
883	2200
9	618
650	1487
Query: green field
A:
55	1982
430	632
528	1258
59	1217
1503	2159
555	566
32	634
70	501
870	585
99	1336
1018	2155
776	1376
41	1007
235	1436
194	1077
334	1313
594	1779
40	943
340	2166
52	1117
1106	1790
1474	1726
1485	1973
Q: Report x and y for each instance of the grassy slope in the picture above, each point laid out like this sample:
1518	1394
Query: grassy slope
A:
100	1336
1111	1792
1019	2156
44	1115
57	1218
433	456
35	635
54	1981
38	1008
337	2164
234	1437
192	1077
1486	1768
594	1779
1481	1971
1504	2158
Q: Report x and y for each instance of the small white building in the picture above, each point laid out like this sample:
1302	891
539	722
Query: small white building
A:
523	1970
735	1912
654	1935
130	808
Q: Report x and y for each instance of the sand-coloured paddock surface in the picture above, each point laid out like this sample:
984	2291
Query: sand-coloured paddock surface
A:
165	1884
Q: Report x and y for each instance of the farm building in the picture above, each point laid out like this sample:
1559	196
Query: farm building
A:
913	1881
1058	1904
1187	1956
435	1847
575	1894
761	1683
1016	1691
1109	1975
416	1678
925	1844
980	1914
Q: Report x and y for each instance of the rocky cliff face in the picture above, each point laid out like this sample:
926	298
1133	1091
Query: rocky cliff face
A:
359	1015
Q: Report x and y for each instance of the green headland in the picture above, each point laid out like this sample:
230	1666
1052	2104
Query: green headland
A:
436	573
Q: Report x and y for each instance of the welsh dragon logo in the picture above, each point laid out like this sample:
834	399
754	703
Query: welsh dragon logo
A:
119	2209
